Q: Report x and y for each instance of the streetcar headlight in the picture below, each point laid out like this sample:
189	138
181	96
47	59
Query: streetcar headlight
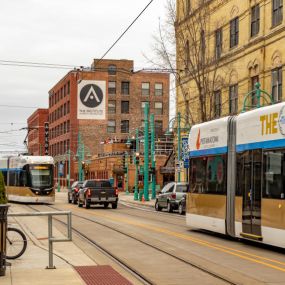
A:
37	193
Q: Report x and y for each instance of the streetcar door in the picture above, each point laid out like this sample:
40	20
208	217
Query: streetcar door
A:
251	214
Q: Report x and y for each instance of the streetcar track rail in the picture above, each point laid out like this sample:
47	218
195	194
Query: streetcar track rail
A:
131	269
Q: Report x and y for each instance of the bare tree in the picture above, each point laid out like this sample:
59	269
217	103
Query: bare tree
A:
182	45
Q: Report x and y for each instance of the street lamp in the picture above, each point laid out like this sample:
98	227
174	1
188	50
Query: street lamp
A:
80	155
178	119
137	157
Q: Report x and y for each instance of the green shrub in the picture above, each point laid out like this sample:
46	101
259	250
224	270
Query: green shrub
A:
3	197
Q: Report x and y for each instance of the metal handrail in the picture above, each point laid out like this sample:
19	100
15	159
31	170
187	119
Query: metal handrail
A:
51	239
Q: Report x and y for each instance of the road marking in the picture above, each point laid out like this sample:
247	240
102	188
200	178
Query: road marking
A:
231	251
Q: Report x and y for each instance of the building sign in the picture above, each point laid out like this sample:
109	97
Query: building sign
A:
185	152
60	169
46	138
91	100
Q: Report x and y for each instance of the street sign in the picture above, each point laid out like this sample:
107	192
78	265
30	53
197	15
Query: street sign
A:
185	152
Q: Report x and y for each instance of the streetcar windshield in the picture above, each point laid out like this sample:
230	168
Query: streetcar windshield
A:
41	176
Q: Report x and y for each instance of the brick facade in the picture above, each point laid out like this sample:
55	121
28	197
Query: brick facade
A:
36	131
118	74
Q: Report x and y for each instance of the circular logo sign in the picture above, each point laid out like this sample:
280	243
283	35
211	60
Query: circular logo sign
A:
281	121
91	95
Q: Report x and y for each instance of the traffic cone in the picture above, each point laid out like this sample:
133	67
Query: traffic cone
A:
143	198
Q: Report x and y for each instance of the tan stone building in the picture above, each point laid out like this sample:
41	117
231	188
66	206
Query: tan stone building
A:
232	44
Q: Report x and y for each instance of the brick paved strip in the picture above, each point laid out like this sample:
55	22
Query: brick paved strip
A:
101	275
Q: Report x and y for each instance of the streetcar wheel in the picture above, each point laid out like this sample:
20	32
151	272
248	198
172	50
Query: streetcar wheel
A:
16	243
114	206
106	205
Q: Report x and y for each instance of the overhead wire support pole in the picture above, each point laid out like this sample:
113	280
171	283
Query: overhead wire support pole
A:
152	149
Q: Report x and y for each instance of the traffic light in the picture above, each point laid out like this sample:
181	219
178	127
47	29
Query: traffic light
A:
137	160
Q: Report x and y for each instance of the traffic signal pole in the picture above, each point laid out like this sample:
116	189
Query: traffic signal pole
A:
146	149
152	149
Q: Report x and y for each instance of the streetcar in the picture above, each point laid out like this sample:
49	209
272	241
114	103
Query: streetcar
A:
28	179
237	176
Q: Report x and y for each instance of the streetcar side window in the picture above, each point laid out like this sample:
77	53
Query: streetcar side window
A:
208	175
274	174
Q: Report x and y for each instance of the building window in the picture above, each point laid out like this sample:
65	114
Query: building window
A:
254	80
125	88
158	89
68	108
111	107
254	21
276	82
145	88
112	87
125	108
68	87
217	104
158	126
158	108
143	106
234	32
125	126
277	12
111	128
112	69
233	99
187	56
218	42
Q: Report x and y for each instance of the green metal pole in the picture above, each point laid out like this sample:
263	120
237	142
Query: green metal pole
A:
136	196
58	178
179	143
82	159
146	166
68	169
79	158
152	149
258	93
127	174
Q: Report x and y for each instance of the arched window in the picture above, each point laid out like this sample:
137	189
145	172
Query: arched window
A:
187	55
112	69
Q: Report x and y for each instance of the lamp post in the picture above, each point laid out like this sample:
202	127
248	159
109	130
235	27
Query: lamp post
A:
178	119
127	172
80	154
146	170
258	94
152	149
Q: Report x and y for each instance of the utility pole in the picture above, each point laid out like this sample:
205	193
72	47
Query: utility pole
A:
152	149
146	148
127	174
179	143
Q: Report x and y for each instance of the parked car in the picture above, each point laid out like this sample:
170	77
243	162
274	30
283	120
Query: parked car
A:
72	194
97	191
172	197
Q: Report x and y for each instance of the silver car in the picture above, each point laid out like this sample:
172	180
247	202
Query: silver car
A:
172	197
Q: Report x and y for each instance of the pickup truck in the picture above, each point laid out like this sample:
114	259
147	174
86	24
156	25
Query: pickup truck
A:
172	197
97	191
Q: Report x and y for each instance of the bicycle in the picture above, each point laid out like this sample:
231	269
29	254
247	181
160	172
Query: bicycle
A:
16	243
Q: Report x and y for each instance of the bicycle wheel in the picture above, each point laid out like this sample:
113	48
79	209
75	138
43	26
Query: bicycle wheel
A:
16	243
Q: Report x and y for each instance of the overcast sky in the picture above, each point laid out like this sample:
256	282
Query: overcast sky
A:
63	32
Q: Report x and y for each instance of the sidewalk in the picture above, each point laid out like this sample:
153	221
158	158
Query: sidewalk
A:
129	198
70	261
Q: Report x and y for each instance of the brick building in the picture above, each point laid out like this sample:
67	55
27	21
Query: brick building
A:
125	93
36	131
